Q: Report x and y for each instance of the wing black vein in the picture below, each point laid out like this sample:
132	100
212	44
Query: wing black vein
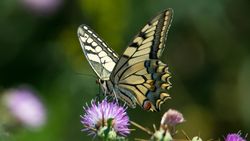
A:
101	58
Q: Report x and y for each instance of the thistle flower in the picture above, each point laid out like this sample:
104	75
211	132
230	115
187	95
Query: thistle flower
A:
25	107
172	118
105	116
234	137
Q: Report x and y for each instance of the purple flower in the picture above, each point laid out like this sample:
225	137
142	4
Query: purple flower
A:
172	118
234	137
25	106
99	114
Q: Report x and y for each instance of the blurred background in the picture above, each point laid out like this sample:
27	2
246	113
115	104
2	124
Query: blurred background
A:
208	52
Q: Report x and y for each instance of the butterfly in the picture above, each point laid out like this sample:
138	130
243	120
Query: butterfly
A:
138	76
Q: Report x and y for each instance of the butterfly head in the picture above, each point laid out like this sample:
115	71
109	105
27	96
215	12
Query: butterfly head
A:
106	86
101	81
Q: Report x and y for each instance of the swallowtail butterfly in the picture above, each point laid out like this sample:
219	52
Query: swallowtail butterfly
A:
138	76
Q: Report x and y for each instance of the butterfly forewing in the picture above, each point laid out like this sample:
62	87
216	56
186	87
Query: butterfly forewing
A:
139	73
101	58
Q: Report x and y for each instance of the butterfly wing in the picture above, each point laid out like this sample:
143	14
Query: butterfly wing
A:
139	76
101	58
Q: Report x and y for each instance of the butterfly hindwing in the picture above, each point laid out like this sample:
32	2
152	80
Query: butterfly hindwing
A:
139	74
101	58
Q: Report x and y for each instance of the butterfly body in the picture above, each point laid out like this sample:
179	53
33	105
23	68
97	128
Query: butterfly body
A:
138	76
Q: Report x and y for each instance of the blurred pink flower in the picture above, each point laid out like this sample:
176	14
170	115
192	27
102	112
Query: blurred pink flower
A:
172	118
43	7
25	106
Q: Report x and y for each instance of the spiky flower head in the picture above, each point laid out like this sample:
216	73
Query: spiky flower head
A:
102	116
234	137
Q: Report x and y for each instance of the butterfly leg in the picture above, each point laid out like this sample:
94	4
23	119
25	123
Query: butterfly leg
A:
115	95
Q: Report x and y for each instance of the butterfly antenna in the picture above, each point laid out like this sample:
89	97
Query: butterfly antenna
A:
86	75
92	76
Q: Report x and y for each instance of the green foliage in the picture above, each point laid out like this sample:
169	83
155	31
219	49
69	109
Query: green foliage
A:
207	53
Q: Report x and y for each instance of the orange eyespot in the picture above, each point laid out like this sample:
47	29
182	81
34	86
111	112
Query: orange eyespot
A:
146	105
